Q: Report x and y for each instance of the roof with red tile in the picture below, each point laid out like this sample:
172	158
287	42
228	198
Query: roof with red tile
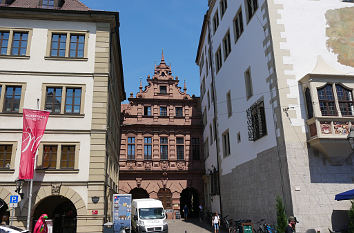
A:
75	5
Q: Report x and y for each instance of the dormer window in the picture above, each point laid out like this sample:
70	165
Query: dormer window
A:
163	74
48	3
163	89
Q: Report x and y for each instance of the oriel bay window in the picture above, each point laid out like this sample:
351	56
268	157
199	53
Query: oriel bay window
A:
147	148
345	100
61	156
180	148
326	101
64	99
65	44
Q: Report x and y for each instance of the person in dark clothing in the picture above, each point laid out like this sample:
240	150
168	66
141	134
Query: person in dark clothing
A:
290	228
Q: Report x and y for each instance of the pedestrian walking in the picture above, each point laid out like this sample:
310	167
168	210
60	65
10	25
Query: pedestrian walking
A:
290	228
200	212
185	212
41	225
216	222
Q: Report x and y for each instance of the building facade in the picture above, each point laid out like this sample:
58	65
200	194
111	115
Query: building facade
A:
276	96
62	57
161	154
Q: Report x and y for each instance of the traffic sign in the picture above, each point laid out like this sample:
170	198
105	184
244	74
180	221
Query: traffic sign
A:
14	199
13	205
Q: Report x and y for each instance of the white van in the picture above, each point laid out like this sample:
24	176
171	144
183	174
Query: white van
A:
148	215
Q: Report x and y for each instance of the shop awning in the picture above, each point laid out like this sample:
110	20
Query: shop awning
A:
348	195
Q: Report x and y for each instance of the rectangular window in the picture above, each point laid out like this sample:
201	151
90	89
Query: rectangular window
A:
195	148
180	148
226	45
218	59
147	148
226	143
208	100
164	148
4	42
229	105
248	83
5	156
206	148
256	121
67	158
211	134
50	156
205	120
214	127
251	7
12	99
223	7
73	101
53	99
58	45
48	3
77	45
163	111
131	148
147	111
19	44
179	112
238	24
216	21
163	89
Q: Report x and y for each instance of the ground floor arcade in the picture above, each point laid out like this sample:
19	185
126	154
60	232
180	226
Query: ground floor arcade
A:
175	190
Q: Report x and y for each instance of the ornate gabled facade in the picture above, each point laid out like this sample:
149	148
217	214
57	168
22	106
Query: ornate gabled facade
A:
161	153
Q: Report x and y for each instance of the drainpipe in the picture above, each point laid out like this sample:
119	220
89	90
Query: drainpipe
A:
215	110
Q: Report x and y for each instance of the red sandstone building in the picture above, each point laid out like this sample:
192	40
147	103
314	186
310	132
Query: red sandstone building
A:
161	152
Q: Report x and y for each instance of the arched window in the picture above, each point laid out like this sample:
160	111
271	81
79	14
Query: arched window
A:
345	100
308	103
326	101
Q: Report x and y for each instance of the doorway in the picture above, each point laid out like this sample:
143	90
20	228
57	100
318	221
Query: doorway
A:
165	196
190	197
61	210
139	193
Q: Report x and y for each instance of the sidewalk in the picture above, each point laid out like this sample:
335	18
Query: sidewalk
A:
193	226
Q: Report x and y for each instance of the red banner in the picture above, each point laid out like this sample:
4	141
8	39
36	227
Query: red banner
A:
34	123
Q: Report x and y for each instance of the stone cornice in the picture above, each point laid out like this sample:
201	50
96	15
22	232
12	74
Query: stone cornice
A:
152	100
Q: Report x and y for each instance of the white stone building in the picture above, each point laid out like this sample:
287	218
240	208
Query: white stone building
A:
62	57
276	86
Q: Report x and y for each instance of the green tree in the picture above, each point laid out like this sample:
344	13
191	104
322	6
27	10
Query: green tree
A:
351	219
281	216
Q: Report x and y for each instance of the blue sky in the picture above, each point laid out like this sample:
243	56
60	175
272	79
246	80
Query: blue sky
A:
147	27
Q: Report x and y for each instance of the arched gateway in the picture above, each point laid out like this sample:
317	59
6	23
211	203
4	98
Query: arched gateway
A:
61	210
139	193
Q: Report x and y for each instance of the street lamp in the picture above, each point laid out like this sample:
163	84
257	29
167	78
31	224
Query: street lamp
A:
350	137
19	185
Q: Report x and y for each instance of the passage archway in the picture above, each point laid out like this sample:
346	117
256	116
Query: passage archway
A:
190	197
165	196
139	193
4	213
61	210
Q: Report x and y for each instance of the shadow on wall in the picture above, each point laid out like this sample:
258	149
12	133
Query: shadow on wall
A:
340	220
322	171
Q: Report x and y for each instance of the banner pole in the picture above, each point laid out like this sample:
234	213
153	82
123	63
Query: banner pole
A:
30	196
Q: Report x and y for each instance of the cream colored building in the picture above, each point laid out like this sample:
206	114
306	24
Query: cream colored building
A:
277	98
62	57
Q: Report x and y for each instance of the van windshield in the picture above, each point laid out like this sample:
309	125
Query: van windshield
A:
151	213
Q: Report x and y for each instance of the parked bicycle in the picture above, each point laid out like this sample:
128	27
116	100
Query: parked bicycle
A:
265	228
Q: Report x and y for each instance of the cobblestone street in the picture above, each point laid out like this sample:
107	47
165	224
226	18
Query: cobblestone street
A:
180	226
